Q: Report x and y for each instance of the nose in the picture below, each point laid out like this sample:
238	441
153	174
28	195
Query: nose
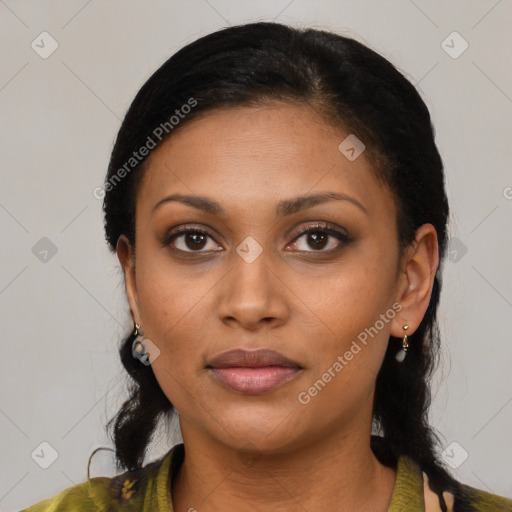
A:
251	296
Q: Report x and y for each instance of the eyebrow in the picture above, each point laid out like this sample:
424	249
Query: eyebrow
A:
284	208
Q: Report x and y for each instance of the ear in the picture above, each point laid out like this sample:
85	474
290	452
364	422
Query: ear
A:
126	257
418	268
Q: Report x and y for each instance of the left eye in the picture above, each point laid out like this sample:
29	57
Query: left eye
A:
319	239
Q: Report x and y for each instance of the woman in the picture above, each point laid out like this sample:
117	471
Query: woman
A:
276	201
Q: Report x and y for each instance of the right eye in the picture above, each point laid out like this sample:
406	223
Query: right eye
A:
187	239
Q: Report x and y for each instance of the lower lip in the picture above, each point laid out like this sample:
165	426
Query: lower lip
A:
254	381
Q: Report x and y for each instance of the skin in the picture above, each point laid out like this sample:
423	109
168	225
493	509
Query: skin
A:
309	304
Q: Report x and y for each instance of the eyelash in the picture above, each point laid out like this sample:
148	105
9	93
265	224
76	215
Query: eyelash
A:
341	235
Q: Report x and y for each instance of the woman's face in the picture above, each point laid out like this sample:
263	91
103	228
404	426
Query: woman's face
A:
251	280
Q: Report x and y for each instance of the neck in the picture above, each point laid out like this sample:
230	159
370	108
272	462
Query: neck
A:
341	473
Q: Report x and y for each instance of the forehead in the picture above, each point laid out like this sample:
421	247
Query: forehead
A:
246	154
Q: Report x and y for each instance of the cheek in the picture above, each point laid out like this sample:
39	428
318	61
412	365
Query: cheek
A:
175	310
166	293
355	309
172	312
352	298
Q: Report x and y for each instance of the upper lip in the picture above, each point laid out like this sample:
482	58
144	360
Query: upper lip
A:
242	358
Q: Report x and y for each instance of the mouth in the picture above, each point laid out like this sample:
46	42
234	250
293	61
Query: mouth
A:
253	371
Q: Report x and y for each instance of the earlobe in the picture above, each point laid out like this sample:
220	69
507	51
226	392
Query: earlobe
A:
126	258
419	267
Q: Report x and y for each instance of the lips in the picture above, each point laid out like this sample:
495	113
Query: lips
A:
250	359
253	371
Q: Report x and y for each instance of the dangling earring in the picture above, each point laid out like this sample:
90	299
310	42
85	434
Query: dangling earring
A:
400	356
139	346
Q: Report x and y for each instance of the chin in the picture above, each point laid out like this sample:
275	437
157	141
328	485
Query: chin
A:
259	428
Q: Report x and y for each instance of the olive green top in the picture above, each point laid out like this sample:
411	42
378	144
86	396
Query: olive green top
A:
149	490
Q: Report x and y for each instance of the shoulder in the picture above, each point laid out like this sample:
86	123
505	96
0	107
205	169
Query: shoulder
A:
483	501
126	492
466	498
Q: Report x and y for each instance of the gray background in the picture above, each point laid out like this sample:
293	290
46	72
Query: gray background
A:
63	314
